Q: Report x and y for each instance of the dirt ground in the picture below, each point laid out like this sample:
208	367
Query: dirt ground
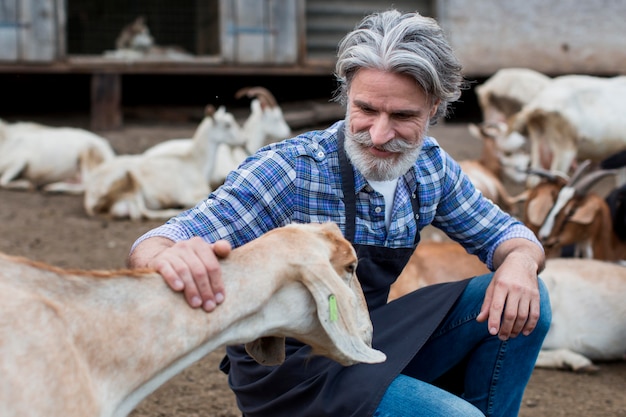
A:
55	229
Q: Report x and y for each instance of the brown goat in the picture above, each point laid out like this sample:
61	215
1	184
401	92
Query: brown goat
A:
582	218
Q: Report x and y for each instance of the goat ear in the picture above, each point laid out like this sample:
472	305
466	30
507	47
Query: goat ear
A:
337	315
268	351
538	210
586	212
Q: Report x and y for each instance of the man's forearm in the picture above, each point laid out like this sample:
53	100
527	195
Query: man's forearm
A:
523	248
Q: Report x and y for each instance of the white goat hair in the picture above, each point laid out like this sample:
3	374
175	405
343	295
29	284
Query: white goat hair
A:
507	91
52	158
511	163
265	123
160	186
79	343
588	313
587	298
485	172
575	117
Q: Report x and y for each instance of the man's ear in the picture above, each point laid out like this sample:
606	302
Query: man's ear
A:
433	110
268	351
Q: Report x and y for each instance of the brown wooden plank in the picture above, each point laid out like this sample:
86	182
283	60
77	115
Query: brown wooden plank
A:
106	100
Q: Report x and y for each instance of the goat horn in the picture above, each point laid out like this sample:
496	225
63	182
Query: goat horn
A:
261	93
583	185
580	169
551	176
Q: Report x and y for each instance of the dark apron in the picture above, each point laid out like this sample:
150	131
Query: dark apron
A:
316	386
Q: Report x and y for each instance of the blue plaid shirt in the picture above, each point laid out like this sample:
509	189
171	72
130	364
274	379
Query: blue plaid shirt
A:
298	180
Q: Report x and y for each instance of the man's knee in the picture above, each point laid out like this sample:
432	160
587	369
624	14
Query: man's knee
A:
545	317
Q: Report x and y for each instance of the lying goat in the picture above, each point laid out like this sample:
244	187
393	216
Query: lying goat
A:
157	186
53	158
588	314
587	297
79	343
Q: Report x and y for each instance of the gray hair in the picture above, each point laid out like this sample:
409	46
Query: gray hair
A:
408	44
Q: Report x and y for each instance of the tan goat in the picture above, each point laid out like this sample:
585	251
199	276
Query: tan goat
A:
587	297
433	263
80	343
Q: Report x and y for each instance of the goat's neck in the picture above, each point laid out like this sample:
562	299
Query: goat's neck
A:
254	133
150	333
203	151
489	157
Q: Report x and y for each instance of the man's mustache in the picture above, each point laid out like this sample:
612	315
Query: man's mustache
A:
397	145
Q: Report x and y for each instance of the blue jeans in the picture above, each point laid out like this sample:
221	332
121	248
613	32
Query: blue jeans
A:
495	372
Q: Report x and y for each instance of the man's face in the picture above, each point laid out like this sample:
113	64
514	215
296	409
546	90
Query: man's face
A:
387	118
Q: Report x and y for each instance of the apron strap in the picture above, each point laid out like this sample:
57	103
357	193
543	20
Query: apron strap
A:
347	186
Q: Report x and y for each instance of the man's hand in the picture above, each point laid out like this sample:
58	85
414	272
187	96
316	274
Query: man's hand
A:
512	304
191	266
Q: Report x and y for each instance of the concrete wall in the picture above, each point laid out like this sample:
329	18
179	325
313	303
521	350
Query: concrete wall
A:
551	36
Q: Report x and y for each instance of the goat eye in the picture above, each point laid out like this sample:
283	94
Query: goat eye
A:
351	268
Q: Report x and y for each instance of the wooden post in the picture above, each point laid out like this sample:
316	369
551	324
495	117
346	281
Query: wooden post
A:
106	101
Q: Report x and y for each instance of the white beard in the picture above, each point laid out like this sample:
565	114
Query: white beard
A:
380	169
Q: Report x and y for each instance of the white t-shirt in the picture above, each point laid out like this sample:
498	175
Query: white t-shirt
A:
388	190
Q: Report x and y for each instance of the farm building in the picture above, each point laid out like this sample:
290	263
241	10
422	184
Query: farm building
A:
288	38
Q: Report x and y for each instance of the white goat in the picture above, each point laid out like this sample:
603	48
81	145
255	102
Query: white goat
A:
507	91
159	186
78	343
265	123
587	298
52	158
575	117
588	313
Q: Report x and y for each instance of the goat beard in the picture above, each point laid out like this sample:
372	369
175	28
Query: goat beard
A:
381	169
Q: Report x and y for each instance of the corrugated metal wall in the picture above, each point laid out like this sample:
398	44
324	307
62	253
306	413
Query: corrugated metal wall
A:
327	21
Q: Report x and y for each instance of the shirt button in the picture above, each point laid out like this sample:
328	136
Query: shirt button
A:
417	217
378	209
320	154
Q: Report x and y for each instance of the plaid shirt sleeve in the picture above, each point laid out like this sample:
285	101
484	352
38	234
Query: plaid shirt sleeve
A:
269	190
450	202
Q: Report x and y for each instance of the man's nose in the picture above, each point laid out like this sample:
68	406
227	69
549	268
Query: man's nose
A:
381	130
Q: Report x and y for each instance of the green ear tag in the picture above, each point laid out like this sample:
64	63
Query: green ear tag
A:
332	307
